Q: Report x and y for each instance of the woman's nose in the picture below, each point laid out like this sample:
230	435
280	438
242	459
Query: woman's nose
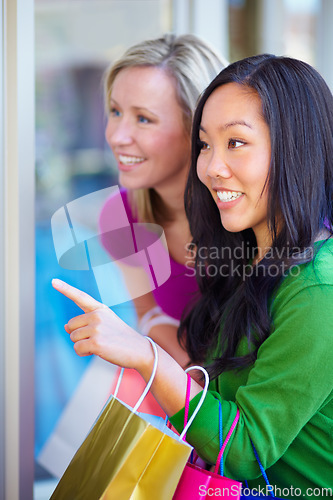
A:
119	133
218	167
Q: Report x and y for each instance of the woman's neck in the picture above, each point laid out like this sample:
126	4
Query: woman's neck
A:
264	244
172	198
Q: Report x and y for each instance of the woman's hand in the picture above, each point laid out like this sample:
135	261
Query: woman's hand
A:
100	331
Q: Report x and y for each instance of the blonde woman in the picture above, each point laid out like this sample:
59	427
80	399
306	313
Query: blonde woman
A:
150	96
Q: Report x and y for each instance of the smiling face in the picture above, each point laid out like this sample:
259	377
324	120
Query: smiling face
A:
235	156
146	131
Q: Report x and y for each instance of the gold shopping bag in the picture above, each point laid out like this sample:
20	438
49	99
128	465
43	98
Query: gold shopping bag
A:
125	457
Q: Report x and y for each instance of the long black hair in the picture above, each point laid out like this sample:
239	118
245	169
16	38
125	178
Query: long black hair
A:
297	105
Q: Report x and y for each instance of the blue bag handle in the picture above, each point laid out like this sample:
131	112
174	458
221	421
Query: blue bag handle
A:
263	472
221	436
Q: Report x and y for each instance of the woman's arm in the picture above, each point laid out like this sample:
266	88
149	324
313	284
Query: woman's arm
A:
101	332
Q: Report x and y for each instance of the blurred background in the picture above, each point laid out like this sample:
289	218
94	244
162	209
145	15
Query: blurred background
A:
75	40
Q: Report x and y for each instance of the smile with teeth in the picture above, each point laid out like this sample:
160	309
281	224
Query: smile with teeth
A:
228	195
130	160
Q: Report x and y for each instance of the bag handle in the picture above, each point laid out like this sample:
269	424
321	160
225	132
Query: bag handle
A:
219	462
187	424
204	392
231	430
150	381
187	402
221	435
263	472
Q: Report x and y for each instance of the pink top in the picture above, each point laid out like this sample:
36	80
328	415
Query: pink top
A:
179	290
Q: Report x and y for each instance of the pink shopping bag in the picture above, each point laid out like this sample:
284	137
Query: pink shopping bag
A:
197	483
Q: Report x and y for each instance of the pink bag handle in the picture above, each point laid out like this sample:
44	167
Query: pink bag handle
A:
232	428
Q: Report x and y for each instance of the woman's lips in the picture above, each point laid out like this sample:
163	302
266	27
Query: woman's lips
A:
127	162
228	195
228	199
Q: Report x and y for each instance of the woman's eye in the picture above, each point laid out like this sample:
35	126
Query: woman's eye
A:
143	119
203	146
114	112
233	144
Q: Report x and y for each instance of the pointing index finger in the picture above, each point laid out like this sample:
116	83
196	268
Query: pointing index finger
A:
81	299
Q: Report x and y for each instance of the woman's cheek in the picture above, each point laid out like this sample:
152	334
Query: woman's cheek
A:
201	171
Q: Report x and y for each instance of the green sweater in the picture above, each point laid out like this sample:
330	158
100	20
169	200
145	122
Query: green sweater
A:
285	399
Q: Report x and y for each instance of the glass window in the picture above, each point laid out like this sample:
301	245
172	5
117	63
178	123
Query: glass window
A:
75	42
282	28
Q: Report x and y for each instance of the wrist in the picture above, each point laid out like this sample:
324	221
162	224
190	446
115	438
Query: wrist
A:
147	358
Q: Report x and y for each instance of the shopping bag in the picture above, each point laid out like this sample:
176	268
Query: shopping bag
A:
197	483
125	457
78	416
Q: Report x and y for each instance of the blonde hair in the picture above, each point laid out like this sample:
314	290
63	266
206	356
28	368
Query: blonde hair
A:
192	63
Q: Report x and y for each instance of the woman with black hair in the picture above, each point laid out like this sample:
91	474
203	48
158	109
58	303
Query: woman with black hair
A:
259	202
